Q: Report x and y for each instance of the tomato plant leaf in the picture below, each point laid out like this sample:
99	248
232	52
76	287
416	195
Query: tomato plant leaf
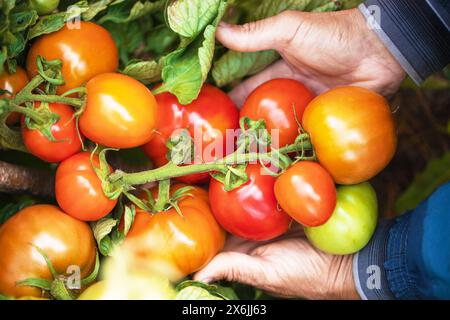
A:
144	71
436	173
122	12
22	20
101	229
186	68
195	293
47	24
223	293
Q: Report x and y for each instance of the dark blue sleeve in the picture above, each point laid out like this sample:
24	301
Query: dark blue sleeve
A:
409	258
416	32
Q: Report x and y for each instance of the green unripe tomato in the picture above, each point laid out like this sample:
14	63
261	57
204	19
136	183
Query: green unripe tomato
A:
44	7
352	223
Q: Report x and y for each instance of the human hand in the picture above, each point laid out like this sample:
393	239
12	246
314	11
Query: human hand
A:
286	267
321	50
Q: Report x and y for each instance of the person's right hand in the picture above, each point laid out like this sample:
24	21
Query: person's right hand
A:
321	50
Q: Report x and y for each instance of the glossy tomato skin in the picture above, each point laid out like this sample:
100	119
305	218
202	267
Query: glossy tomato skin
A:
186	242
352	223
78	189
13	83
353	133
66	143
85	52
64	239
120	112
211	114
307	193
275	102
251	210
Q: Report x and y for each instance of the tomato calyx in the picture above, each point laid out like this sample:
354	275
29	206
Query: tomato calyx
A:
58	288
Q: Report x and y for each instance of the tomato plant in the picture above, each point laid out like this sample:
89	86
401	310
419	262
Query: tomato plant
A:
79	190
353	133
251	210
120	112
307	193
65	240
85	51
13	83
187	241
210	115
64	131
44	7
352	223
280	102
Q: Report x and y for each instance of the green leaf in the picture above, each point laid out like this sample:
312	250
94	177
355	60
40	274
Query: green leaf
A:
130	213
95	8
195	293
101	229
122	12
235	65
223	293
128	38
186	68
22	20
47	24
144	71
436	173
189	18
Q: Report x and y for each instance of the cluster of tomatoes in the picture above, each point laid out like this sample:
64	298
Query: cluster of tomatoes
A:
351	130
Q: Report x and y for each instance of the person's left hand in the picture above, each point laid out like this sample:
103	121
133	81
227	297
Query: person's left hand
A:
286	267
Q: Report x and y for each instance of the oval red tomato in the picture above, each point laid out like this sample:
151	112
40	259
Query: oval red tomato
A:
13	83
280	102
188	242
65	240
211	114
78	189
353	133
250	211
120	112
307	193
66	143
85	51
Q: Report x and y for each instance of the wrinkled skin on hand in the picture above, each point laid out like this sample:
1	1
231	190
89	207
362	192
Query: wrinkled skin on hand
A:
288	267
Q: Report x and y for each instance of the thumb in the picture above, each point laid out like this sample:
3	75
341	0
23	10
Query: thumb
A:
270	33
232	266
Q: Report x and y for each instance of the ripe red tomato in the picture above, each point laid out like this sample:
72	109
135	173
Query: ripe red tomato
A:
66	241
120	112
13	83
188	242
307	193
275	102
353	133
250	211
211	114
64	131
78	189
85	52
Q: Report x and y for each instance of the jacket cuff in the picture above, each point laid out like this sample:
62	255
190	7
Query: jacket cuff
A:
368	266
413	32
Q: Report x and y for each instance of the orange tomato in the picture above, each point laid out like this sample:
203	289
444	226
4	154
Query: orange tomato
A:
353	133
186	242
120	112
13	83
65	240
85	52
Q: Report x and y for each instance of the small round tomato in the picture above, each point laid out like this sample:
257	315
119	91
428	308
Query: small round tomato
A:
207	119
250	211
78	189
307	193
13	83
120	112
44	7
353	133
85	51
65	240
66	143
280	102
352	223
186	242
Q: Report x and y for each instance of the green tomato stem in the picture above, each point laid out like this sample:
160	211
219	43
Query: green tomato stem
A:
163	195
171	170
